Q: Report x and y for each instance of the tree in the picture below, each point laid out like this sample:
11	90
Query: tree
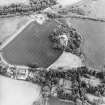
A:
33	65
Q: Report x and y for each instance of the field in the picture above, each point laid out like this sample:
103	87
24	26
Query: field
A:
32	46
8	2
93	8
13	92
67	60
67	2
10	26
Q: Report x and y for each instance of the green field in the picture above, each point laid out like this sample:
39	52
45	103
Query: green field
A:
32	46
93	46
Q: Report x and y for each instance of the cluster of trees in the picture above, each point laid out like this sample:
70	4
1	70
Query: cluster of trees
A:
53	15
84	71
80	88
97	91
22	9
51	78
74	39
55	74
15	9
71	74
64	96
77	92
41	4
77	10
3	69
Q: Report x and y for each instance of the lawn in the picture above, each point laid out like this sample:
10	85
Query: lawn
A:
93	45
32	46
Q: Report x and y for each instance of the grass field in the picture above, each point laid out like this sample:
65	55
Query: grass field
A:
32	46
67	61
93	8
93	46
67	2
14	92
10	26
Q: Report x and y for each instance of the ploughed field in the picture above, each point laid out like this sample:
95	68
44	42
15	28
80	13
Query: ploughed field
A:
93	45
32	46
